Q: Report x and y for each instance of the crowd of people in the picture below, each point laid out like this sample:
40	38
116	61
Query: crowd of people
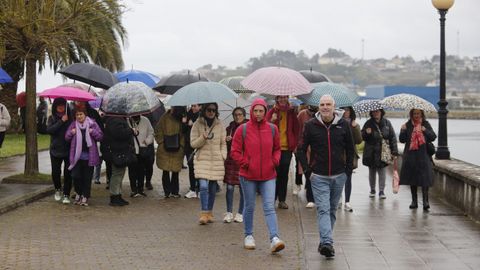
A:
251	154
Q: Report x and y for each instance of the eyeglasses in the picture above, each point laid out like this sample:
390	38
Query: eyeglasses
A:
210	110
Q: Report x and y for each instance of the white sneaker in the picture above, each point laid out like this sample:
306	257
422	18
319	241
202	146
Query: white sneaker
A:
191	194
276	244
228	217
238	218
348	207
58	195
297	189
66	200
310	205
339	205
249	242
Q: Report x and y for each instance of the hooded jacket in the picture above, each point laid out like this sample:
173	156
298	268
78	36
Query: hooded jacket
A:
293	128
259	152
59	147
331	146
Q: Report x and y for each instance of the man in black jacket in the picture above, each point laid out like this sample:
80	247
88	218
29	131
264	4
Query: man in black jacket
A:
330	141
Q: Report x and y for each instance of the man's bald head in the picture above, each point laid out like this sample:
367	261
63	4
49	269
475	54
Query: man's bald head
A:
326	107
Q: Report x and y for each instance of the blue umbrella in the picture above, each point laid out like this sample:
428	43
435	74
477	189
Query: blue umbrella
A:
4	77
343	96
201	92
138	76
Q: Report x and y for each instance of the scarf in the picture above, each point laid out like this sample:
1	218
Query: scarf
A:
282	108
417	135
78	143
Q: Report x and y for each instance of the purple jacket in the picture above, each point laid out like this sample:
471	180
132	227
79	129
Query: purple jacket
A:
97	135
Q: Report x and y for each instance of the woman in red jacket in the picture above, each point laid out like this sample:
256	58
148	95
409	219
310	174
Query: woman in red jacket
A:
256	148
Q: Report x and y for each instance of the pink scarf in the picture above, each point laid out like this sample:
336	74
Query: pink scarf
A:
79	139
417	136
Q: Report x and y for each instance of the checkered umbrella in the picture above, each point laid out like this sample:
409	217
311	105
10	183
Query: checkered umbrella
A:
368	105
277	81
408	102
234	84
343	96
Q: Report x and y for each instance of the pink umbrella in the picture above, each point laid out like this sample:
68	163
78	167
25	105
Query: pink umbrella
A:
68	93
277	81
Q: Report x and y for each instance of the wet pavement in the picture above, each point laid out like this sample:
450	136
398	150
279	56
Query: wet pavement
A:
158	233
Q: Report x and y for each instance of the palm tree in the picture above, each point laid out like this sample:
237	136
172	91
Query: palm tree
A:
62	32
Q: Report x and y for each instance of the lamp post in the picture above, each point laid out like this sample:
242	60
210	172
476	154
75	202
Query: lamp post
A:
442	150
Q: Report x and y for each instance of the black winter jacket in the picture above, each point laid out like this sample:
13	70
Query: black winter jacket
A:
373	142
59	147
117	138
331	147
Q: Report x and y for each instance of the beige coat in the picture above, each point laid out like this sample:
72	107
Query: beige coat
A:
169	161
211	153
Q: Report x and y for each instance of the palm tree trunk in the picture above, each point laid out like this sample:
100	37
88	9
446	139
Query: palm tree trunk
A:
31	147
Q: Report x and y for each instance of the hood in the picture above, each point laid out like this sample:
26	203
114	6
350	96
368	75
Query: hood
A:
56	102
256	102
337	116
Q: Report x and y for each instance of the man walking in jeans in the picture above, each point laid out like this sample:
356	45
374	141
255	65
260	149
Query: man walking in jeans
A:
330	140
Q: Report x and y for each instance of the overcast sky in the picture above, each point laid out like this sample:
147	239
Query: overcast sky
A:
171	35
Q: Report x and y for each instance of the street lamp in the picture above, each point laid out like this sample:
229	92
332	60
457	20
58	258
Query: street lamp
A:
442	149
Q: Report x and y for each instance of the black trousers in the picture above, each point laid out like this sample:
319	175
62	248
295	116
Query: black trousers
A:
170	185
82	178
2	137
136	174
191	173
282	176
308	187
57	172
108	168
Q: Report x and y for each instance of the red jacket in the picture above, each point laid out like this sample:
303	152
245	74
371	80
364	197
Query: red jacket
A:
260	153
293	128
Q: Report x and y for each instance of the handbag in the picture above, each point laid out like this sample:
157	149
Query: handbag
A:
395	178
145	152
171	143
386	153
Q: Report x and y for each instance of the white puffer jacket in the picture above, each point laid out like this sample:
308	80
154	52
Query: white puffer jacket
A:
4	118
211	153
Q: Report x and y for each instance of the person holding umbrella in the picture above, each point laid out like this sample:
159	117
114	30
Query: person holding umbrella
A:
284	117
170	140
208	136
57	126
376	129
83	135
417	169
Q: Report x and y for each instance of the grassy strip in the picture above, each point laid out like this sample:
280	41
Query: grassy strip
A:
14	144
38	178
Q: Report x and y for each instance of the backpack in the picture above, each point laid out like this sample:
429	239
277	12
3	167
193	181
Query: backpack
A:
244	132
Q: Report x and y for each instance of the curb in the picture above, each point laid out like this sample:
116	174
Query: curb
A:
24	199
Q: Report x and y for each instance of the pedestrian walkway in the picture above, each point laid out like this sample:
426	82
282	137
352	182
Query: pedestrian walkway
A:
158	233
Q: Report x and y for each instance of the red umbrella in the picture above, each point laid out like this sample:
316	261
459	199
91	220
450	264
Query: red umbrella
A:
277	81
21	99
68	93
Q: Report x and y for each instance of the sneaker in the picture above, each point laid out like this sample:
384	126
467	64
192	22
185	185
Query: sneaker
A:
348	207
175	196
372	194
78	199
66	200
84	201
191	194
97	182
282	205
143	194
58	195
249	242
276	245
238	218
228	217
382	196
297	189
137	195
133	194
310	205
327	250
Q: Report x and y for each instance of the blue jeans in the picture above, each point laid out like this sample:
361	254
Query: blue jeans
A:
326	192
208	189
267	192
229	197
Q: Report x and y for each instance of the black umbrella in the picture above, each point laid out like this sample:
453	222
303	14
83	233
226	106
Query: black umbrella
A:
314	76
170	84
90	74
